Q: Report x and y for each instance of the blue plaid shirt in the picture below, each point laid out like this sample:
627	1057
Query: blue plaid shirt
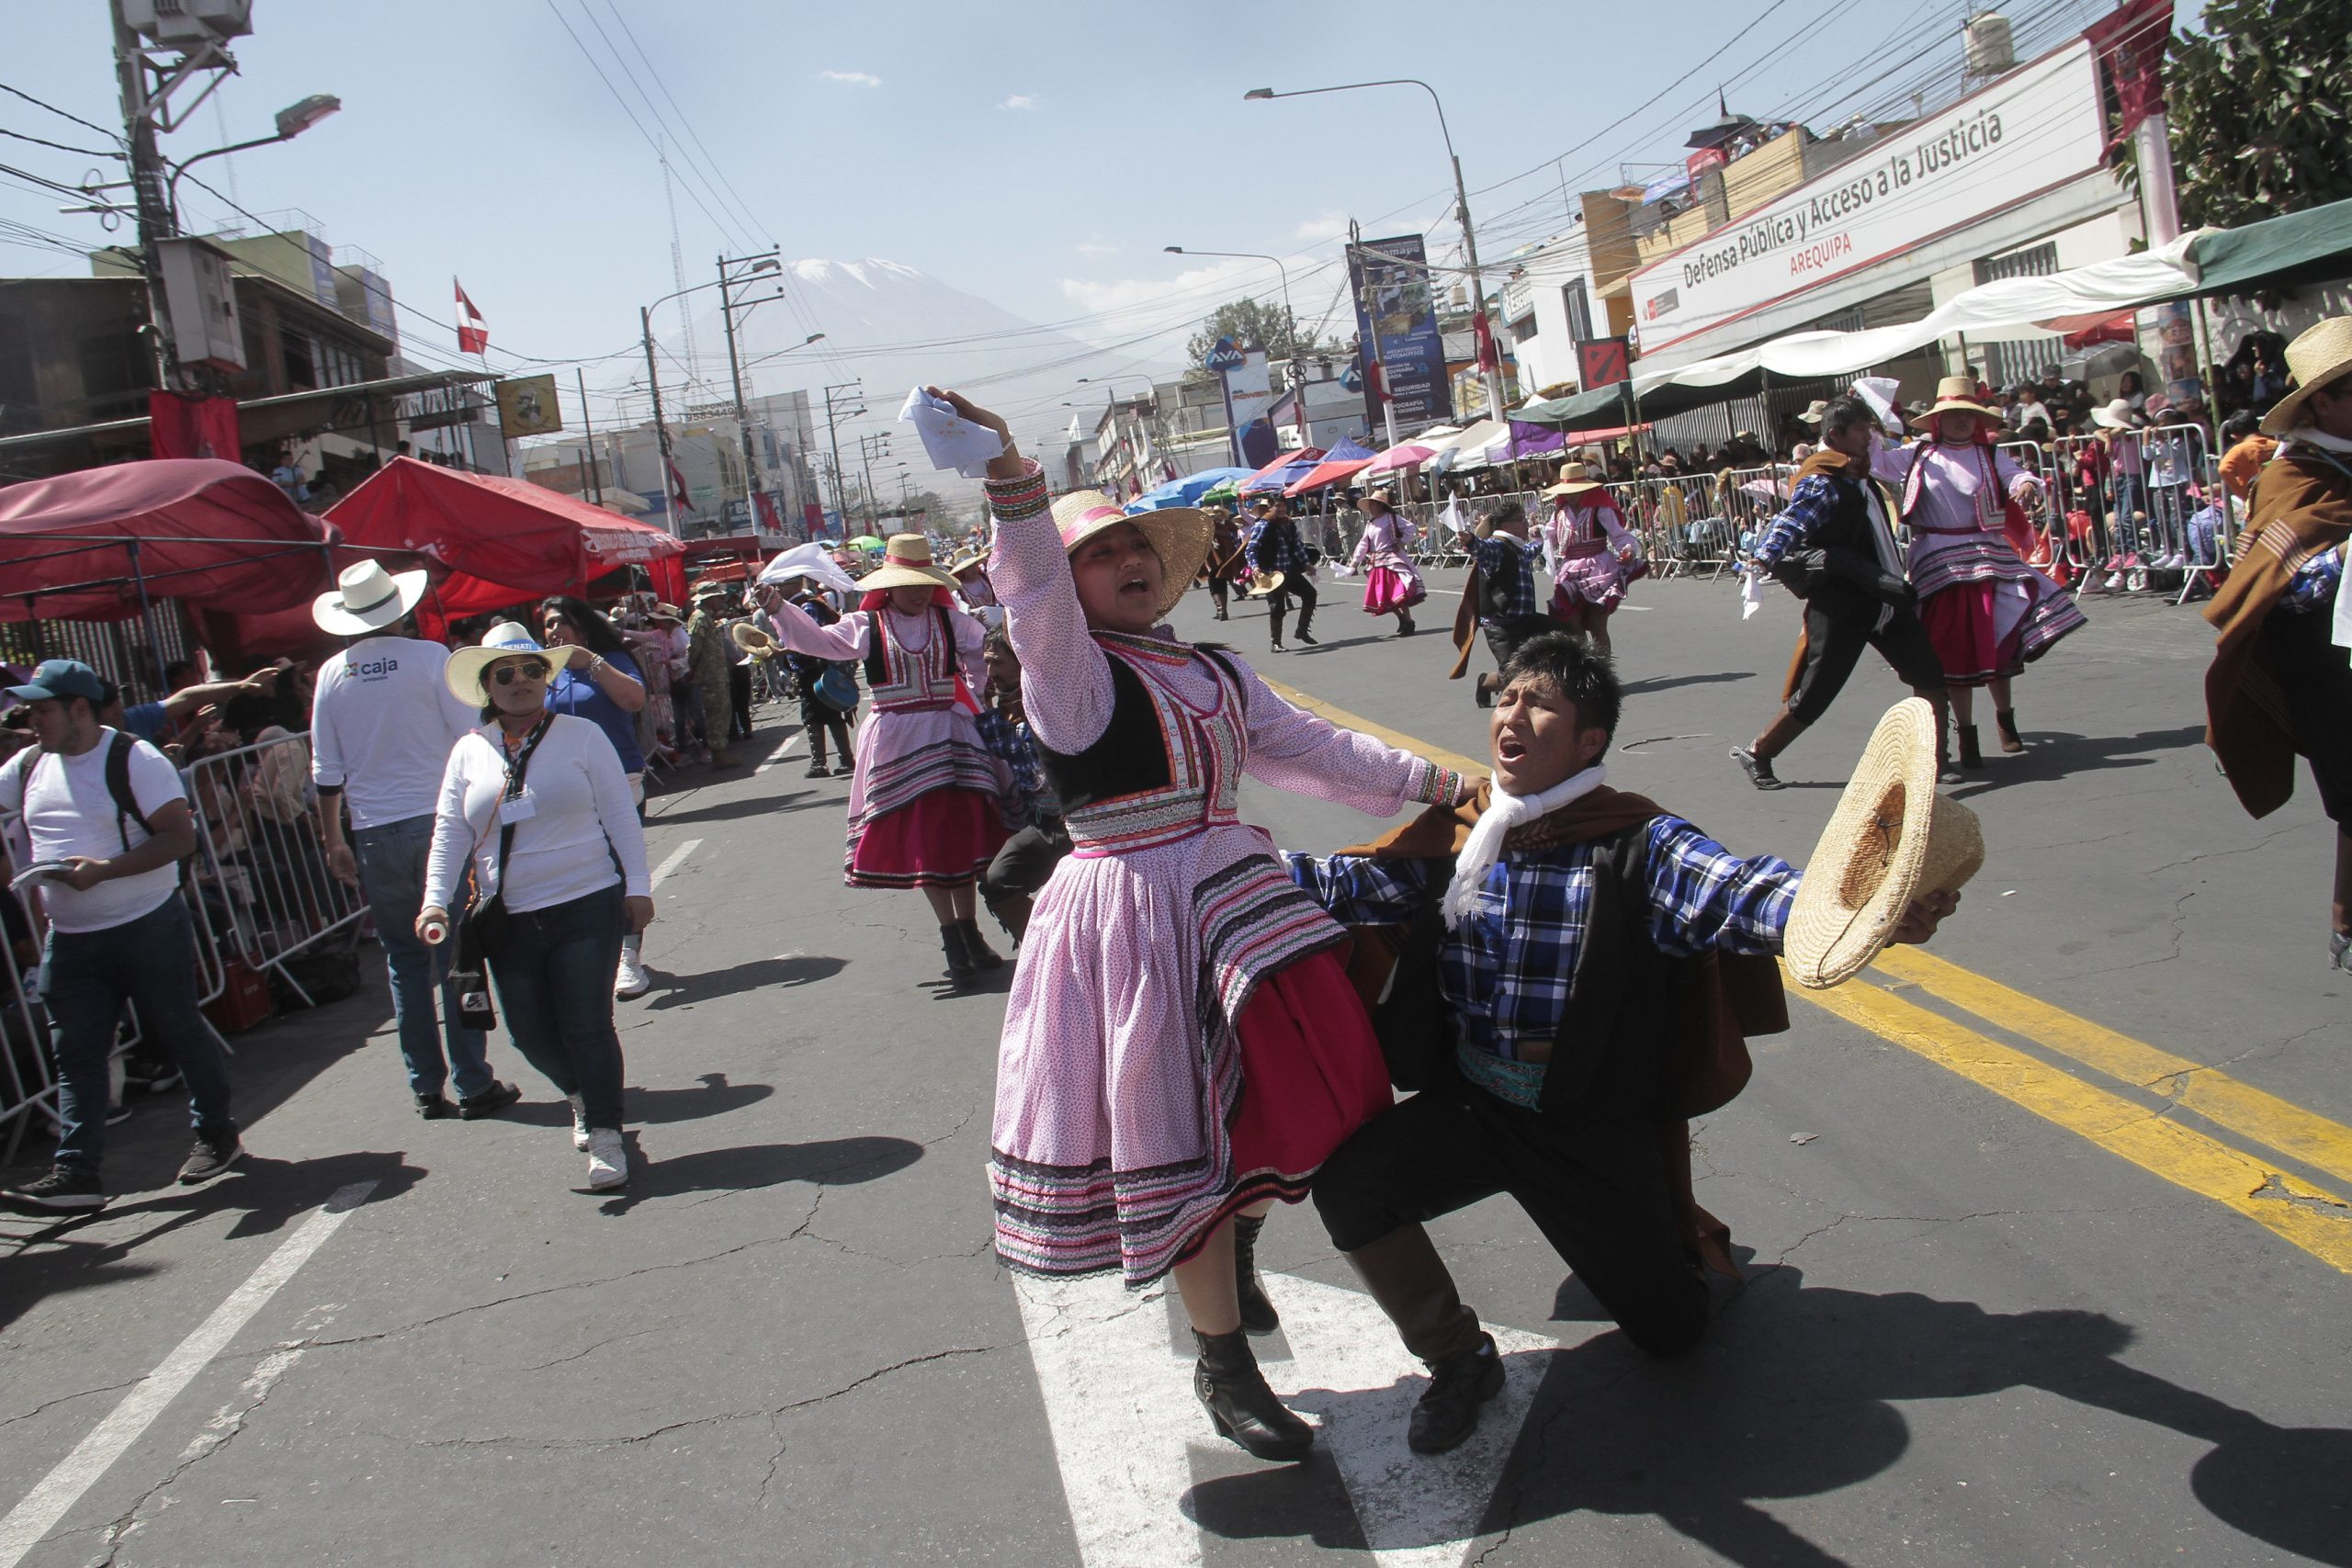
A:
1274	546
1017	748
1810	505
1505	971
1502	559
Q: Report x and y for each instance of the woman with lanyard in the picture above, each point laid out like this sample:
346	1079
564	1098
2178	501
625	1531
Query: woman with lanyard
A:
596	679
538	802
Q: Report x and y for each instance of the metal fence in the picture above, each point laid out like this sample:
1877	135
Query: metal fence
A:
120	650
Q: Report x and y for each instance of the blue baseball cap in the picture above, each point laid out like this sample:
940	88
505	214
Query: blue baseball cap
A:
58	678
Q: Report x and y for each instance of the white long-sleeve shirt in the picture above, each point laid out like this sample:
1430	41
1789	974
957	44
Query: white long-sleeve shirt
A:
581	835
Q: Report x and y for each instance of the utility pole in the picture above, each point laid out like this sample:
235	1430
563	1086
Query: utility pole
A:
868	446
766	261
833	415
660	429
588	437
145	110
1379	367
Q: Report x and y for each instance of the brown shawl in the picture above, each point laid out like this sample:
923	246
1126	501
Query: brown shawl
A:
2302	505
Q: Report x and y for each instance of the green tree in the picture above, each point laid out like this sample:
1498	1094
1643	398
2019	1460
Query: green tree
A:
1250	324
2258	110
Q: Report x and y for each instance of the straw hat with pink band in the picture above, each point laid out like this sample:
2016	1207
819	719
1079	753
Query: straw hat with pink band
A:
1179	535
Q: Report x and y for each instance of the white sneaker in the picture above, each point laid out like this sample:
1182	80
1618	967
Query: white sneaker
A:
608	1160
2114	580
579	1123
631	980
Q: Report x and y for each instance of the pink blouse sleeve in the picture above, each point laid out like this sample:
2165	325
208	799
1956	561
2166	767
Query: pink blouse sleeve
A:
970	635
845	640
1307	754
1064	676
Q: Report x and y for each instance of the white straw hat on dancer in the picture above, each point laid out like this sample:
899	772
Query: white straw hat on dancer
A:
1179	535
2318	359
1956	394
905	563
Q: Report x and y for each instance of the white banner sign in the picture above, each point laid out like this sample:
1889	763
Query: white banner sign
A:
2035	129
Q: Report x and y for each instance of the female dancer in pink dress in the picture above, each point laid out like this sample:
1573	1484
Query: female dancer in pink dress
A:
1585	548
1392	586
1181	1045
1988	614
924	802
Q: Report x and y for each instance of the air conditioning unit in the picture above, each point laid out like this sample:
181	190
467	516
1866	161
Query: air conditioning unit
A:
202	301
182	24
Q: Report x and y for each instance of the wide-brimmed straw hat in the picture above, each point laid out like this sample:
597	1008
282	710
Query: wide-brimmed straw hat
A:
1892	839
2316	359
1262	583
1576	478
366	598
1817	413
2116	415
1383	499
1179	535
972	559
666	612
1956	394
753	640
468	665
905	563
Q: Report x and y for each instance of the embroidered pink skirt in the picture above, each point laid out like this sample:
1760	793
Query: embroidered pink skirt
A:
1387	591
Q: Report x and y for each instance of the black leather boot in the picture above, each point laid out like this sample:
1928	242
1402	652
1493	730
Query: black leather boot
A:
1240	1406
1970	756
975	946
960	969
1257	1313
1409	1280
1276	614
2005	720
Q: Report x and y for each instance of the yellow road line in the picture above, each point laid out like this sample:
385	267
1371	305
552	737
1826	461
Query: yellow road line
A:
2317	1220
2222	1100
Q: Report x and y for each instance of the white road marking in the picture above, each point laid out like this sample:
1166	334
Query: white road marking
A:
781	753
1119	1402
47	1503
675	859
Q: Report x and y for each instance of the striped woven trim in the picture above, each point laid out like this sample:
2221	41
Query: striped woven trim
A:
1433	784
1014	499
954	764
1985	558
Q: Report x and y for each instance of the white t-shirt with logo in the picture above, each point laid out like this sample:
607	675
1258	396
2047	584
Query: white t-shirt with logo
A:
382	726
67	811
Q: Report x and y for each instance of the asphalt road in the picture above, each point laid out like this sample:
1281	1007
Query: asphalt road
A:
2048	1258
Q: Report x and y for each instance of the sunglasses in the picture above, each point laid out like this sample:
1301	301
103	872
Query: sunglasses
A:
528	670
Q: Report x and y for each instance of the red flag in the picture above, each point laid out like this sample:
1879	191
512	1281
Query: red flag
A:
2130	42
1488	358
192	427
678	489
473	332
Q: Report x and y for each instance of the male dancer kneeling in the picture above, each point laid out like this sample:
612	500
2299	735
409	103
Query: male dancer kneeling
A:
1591	990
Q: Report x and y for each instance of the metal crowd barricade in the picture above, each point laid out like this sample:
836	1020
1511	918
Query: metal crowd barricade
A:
28	1083
259	867
2144	504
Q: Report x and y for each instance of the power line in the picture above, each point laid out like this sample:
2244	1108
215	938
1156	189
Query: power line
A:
59	146
112	132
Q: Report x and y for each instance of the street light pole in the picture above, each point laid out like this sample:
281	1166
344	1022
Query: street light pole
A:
765	261
833	439
1297	366
1483	330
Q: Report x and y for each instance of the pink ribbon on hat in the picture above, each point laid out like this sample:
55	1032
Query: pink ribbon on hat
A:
1092	514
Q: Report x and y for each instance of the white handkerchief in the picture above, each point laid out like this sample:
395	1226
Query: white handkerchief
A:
1751	590
949	439
1880	393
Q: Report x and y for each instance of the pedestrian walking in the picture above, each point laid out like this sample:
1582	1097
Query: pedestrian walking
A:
923	802
1392	584
537	805
828	687
1276	547
2279	684
1834	548
596	679
1228	563
1498	598
103	812
1181	1046
382	722
707	669
1586	549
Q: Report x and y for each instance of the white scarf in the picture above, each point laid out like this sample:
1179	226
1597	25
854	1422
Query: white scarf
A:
1504	811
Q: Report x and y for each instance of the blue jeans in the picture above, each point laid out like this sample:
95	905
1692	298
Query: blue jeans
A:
391	877
150	963
554	980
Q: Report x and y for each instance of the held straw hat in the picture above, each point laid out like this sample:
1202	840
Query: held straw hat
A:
1892	839
1179	535
1262	583
1576	478
366	598
753	640
468	665
2318	358
905	563
1956	394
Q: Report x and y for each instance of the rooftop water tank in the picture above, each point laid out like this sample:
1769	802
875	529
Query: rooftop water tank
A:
1991	51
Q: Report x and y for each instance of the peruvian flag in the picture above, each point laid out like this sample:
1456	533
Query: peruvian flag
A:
473	332
678	489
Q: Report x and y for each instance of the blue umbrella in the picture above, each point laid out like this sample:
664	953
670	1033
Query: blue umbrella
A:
1187	490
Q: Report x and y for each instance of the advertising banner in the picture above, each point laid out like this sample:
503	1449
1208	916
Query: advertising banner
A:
2035	129
1391	290
528	406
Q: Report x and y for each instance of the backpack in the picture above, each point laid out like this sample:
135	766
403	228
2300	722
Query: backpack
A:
126	803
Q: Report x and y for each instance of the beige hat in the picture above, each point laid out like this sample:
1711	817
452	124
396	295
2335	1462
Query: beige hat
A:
2319	358
2116	415
1383	499
974	559
1956	394
753	640
1818	412
366	598
1262	583
1892	839
1576	478
663	612
468	665
1179	535
905	563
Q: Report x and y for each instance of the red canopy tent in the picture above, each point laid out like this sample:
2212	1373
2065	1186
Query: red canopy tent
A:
1269	478
102	544
499	539
1342	461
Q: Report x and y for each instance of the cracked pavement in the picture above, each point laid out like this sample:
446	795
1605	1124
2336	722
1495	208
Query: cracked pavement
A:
1968	1337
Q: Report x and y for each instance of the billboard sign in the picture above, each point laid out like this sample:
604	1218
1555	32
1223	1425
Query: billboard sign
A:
2035	129
1393	305
528	406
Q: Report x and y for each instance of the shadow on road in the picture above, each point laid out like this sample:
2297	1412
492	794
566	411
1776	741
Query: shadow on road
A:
713	1096
2051	756
684	990
1305	650
753	805
1667	683
832	1162
1796	1395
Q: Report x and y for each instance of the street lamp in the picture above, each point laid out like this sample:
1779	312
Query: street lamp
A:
1290	320
1462	211
293	120
653	383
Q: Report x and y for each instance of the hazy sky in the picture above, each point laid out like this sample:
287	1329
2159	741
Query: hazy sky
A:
1039	155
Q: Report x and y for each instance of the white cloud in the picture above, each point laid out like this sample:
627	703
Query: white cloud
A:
1126	306
1020	101
1095	245
1322	226
852	78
